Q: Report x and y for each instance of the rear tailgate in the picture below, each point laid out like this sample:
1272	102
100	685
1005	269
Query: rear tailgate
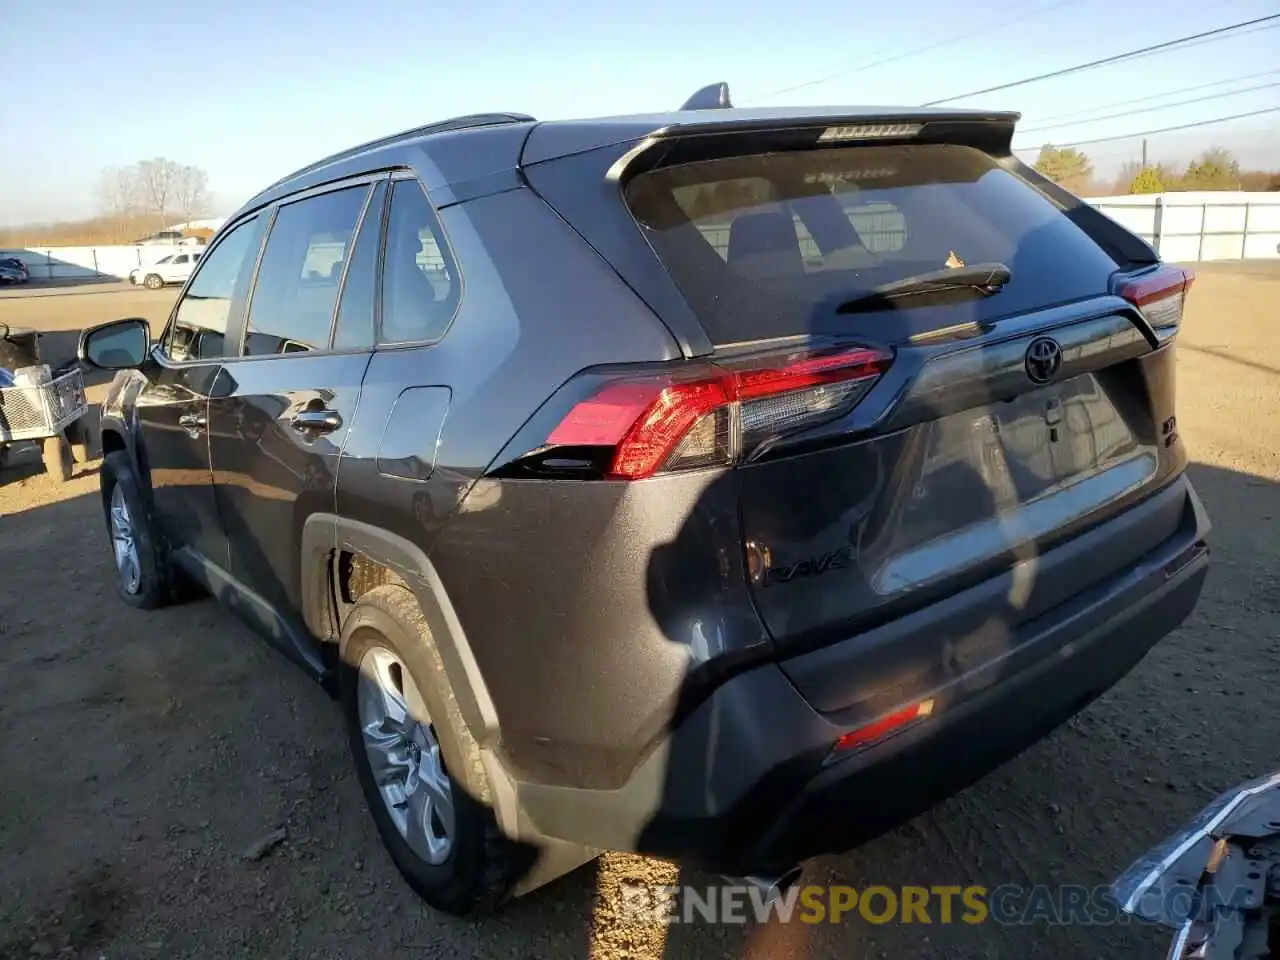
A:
1010	418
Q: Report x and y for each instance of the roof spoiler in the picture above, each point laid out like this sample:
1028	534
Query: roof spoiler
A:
714	96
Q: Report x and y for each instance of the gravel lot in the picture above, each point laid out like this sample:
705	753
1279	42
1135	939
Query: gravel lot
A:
142	754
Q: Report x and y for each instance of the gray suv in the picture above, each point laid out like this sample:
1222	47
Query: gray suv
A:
723	485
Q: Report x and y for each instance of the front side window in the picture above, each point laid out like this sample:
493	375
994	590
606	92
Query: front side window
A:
215	296
297	286
419	281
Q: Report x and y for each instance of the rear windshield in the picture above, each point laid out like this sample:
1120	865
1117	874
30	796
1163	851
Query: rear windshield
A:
770	245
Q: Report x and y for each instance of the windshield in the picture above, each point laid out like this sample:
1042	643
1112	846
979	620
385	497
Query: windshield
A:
769	245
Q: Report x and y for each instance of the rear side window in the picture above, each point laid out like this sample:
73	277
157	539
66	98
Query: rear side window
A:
419	281
769	245
297	286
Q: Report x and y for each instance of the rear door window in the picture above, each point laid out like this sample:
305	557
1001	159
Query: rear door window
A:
354	328
770	245
297	286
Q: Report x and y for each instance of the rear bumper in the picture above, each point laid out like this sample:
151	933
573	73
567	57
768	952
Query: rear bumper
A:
746	783
898	780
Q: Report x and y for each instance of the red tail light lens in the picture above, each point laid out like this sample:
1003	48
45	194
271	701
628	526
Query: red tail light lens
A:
662	423
1160	296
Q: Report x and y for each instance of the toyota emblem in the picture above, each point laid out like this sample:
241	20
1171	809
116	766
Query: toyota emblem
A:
1044	357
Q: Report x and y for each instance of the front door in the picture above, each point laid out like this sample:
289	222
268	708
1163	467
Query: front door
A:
280	418
173	405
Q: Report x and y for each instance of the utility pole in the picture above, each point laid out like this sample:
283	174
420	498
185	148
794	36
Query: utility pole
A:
1144	153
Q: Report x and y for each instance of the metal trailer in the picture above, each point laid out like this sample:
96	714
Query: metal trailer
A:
45	409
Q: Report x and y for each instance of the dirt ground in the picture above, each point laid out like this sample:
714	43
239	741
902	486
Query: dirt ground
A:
142	755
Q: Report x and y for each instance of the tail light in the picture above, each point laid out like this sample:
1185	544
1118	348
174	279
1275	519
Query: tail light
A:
632	427
1160	296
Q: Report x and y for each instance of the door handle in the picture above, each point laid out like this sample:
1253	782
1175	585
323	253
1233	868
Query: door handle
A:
316	421
193	423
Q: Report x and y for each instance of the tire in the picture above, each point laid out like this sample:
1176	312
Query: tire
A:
56	453
481	864
153	281
151	586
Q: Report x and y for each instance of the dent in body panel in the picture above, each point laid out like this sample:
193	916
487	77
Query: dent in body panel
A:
119	416
963	467
621	593
995	478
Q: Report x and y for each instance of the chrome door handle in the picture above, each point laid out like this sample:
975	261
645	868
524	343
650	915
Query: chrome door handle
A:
193	423
316	421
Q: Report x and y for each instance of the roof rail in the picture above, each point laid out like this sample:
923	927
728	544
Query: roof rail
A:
714	96
440	126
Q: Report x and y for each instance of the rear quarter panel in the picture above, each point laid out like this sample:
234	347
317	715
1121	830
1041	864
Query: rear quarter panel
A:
538	305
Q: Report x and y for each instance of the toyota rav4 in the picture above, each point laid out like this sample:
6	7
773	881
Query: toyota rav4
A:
723	485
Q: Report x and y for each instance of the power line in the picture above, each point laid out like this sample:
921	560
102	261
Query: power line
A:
947	41
1156	96
1151	133
1105	61
1162	106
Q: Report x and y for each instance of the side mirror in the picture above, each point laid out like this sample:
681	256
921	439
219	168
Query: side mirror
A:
117	345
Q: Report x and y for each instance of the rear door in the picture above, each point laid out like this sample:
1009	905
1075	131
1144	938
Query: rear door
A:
1001	418
285	406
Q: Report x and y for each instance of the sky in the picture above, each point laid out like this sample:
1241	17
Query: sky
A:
250	91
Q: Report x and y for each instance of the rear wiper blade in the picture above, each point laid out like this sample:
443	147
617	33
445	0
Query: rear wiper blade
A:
981	279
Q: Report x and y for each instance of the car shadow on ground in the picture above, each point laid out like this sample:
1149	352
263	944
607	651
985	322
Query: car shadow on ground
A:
194	740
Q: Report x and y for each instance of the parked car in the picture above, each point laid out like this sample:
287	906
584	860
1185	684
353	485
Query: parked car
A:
13	270
723	485
175	268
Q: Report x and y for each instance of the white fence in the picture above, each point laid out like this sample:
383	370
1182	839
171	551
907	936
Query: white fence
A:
1182	226
84	263
1208	225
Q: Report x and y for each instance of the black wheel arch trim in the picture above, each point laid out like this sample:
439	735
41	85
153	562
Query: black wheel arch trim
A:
131	437
325	536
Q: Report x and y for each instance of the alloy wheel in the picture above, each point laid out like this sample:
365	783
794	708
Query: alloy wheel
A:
404	755
123	543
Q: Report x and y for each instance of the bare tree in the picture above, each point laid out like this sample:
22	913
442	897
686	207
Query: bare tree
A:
158	185
191	192
143	196
118	196
1128	172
